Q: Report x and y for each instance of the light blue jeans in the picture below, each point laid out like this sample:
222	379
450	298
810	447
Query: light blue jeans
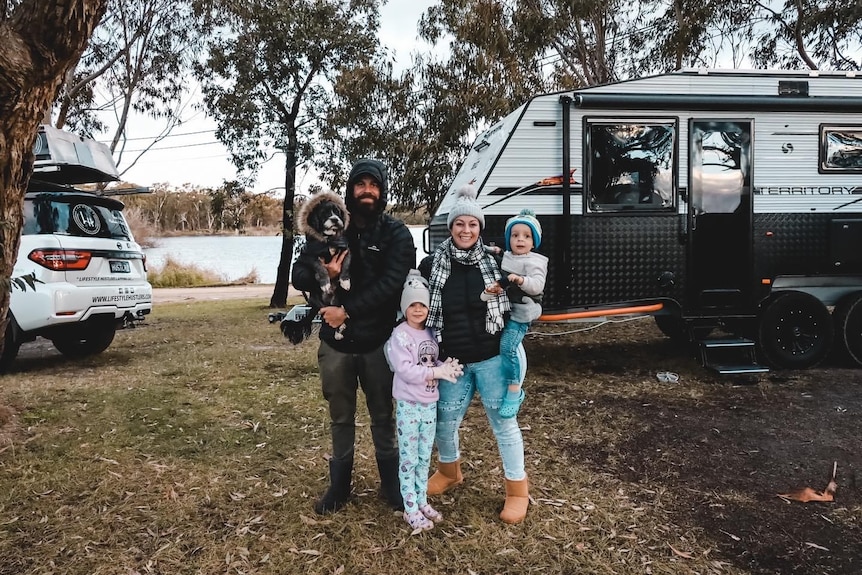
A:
484	377
512	336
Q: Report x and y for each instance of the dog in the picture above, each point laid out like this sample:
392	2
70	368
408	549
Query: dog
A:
323	220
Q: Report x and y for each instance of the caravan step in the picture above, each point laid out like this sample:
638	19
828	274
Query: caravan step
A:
737	343
738	369
730	356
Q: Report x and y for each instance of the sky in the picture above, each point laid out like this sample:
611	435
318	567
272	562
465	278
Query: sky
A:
191	154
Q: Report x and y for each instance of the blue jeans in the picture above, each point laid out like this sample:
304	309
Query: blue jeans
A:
484	377
512	336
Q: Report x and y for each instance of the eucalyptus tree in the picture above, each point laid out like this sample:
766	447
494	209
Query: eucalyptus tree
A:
804	33
139	61
42	40
270	69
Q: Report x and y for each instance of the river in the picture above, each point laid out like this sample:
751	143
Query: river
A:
234	257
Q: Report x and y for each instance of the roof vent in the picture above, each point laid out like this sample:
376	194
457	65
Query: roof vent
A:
793	88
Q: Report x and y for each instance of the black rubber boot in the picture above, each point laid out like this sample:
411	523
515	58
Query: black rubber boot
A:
338	494
390	487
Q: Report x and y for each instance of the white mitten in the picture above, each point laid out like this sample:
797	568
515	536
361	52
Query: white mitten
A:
447	371
459	369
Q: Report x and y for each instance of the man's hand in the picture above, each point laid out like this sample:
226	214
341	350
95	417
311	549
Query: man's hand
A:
334	316
333	268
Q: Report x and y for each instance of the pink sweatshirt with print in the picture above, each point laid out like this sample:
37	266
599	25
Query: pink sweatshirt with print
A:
411	354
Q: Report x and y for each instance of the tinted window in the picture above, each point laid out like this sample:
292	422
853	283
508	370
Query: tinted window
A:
73	216
841	148
631	166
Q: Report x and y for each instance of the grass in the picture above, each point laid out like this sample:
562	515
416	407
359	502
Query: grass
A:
174	274
198	442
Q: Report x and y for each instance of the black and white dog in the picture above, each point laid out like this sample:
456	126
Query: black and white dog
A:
323	219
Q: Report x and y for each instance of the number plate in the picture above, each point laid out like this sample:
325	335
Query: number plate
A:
120	267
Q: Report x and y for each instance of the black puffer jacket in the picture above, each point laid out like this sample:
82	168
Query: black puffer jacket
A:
381	255
464	335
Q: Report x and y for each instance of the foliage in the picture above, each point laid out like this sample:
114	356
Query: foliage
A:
193	210
499	53
268	69
173	274
22	283
138	61
267	78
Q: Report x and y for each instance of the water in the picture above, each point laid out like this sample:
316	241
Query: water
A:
234	257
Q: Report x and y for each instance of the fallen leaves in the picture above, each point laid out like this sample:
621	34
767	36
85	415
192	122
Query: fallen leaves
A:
807	494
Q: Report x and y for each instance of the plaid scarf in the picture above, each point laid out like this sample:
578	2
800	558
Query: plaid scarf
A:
442	267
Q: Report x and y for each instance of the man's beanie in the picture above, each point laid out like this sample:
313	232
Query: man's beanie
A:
368	167
415	289
466	205
528	218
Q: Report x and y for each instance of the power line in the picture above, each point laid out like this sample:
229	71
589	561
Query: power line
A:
159	137
172	147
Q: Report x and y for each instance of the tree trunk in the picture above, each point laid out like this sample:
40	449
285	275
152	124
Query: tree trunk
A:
282	279
42	39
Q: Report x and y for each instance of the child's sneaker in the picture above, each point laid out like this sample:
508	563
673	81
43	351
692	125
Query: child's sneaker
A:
511	404
431	513
417	521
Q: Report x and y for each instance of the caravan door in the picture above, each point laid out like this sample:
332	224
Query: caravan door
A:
720	269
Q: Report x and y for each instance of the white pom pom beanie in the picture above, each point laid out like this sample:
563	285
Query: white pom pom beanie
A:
466	205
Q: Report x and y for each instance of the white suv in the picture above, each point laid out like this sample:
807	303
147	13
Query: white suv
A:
90	274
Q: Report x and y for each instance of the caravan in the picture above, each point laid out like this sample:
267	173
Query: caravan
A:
711	200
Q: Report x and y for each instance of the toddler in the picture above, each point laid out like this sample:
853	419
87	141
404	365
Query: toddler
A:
524	274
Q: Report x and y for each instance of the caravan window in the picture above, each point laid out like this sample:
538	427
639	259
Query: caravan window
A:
630	165
841	149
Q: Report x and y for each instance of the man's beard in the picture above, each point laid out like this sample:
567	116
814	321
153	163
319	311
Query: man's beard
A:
366	209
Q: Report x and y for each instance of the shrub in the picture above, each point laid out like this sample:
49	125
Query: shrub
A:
175	274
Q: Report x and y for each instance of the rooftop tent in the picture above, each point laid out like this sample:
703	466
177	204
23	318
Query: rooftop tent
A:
64	158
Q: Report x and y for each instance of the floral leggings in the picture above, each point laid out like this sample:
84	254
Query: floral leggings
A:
416	425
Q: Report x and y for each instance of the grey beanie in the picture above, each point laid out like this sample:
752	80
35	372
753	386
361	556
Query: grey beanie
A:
466	205
415	289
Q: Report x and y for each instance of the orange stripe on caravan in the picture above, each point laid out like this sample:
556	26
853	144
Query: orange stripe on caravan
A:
601	312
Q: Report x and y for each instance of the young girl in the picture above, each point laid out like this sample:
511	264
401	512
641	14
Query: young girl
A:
412	352
524	274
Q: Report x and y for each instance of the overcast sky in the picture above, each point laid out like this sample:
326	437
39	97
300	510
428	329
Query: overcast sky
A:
192	154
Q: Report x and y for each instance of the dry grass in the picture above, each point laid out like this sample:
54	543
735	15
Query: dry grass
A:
197	443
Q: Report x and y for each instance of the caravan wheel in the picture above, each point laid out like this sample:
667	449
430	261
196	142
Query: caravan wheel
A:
795	331
848	325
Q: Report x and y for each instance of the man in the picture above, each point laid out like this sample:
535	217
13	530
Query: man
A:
382	253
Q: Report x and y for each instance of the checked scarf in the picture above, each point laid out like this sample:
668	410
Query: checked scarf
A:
442	267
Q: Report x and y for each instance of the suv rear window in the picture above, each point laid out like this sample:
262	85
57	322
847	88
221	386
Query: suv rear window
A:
78	215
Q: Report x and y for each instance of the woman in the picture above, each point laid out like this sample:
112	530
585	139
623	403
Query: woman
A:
470	330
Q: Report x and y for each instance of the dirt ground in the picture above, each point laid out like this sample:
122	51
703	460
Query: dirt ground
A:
722	448
172	295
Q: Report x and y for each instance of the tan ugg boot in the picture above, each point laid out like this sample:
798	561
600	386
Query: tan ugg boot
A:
517	500
447	476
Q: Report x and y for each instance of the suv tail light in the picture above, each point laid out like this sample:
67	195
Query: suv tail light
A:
61	260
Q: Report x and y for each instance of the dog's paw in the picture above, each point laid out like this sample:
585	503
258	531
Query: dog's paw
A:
327	288
345	284
339	335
